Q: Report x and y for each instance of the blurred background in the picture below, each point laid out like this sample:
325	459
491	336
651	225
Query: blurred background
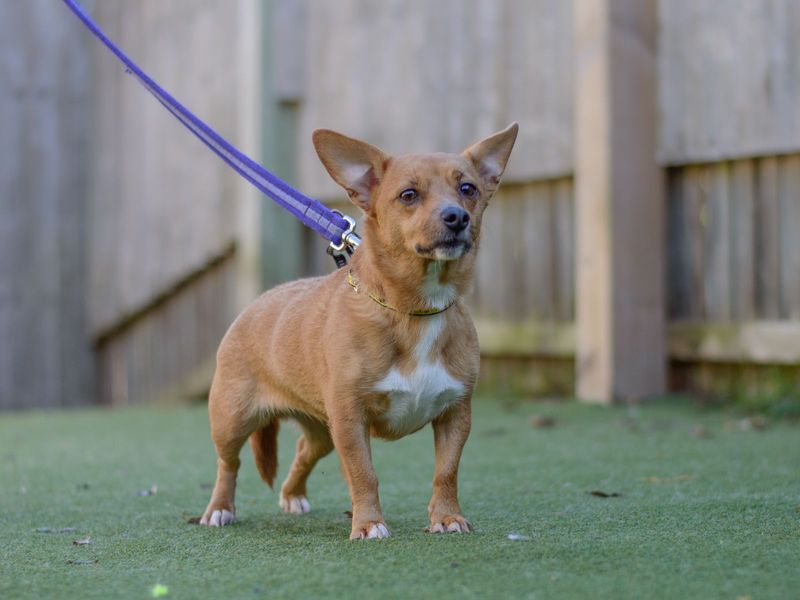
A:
645	239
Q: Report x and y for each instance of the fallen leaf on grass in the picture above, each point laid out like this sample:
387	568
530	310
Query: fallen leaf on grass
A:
602	494
84	542
516	537
55	530
701	432
149	492
630	424
508	405
82	562
671	479
756	422
542	421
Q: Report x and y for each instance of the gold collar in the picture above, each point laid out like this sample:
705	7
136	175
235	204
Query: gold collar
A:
427	312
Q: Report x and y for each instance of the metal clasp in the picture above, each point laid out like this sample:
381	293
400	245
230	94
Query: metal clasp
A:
350	241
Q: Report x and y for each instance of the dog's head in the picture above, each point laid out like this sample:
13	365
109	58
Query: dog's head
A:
428	205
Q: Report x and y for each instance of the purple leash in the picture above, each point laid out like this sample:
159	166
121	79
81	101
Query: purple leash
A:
330	224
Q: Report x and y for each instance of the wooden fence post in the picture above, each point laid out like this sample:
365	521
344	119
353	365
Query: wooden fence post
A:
248	251
619	203
282	245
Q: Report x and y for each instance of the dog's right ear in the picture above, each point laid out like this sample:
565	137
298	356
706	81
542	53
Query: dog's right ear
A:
491	155
355	165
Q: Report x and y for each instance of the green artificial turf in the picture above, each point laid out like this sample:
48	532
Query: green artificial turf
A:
709	515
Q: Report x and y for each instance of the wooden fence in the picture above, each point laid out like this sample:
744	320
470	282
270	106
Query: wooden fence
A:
164	229
647	220
45	354
729	77
724	121
126	248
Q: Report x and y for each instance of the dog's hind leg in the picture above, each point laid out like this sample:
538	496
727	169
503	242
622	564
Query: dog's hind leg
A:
231	424
313	444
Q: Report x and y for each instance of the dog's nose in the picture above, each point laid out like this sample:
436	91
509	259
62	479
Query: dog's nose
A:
456	218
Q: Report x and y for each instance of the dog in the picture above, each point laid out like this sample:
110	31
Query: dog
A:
380	348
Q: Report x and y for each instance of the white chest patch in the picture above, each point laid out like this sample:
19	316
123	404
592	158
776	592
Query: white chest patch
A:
418	397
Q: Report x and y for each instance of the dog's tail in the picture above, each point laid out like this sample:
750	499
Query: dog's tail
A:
265	448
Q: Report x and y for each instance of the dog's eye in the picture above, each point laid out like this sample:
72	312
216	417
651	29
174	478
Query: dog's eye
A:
409	196
468	190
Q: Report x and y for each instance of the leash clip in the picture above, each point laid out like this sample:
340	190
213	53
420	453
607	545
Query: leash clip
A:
350	241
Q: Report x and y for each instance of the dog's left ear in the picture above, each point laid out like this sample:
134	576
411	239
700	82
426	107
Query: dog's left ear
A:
491	155
355	165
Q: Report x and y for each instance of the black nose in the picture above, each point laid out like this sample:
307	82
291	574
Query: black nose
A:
456	218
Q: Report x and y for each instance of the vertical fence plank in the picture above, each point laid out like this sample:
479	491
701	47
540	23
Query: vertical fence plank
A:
695	189
511	274
789	193
535	228
768	240
717	245
678	248
564	249
494	260
742	196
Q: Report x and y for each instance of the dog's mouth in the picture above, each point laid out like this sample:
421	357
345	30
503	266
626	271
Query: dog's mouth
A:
446	249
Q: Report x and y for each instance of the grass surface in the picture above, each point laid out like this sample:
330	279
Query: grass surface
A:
700	517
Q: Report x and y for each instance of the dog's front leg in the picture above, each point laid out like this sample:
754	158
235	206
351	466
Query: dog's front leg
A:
351	440
450	432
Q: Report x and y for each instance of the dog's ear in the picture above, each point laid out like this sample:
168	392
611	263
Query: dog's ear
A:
355	165
491	155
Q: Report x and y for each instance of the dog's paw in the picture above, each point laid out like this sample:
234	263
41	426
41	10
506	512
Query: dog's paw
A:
371	530
450	524
217	518
294	504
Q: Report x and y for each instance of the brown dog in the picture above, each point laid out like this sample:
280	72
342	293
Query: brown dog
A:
377	349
